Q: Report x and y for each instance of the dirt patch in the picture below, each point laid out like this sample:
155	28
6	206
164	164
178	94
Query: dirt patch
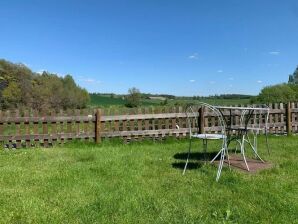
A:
254	165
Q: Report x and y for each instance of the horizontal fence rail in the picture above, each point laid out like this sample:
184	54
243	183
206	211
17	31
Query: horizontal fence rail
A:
31	128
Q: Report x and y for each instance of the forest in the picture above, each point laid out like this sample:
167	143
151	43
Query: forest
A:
22	88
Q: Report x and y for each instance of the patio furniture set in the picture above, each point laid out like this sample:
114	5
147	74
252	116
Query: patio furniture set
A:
229	131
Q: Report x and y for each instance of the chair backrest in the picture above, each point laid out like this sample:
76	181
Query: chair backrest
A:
258	117
192	114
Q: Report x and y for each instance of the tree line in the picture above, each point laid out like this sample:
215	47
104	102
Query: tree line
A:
21	87
280	93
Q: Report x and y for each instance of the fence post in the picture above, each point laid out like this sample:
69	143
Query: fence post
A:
201	121
98	126
289	116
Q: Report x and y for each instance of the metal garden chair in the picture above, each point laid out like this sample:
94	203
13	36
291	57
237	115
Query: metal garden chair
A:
257	128
194	133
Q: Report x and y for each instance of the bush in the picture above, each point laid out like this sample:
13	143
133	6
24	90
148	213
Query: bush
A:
280	93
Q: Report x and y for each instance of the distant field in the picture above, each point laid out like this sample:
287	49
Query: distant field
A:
212	101
107	101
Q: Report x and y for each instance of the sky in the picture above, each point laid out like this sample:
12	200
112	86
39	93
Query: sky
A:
185	48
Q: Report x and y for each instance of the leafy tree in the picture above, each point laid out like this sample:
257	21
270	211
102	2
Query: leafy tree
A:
293	79
278	93
11	95
133	98
19	86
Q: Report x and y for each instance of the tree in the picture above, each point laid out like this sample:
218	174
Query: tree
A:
133	98
19	86
277	93
293	79
11	95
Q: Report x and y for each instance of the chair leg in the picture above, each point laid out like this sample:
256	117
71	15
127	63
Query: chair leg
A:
189	149
242	151
267	143
222	158
249	141
228	157
252	145
220	151
239	142
256	141
257	155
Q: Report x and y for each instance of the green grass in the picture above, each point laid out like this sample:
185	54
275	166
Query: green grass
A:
227	101
142	183
107	101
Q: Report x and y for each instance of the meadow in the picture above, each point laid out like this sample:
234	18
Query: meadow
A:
107	101
142	182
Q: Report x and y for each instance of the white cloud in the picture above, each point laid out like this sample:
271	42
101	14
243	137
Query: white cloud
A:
194	56
259	81
231	78
60	75
192	80
27	65
89	80
274	53
40	71
219	71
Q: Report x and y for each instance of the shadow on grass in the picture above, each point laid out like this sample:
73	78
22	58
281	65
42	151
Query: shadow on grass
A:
200	156
198	159
190	166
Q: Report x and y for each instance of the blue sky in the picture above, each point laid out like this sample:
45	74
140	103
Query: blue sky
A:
189	47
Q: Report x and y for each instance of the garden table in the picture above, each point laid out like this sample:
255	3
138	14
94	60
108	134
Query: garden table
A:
242	129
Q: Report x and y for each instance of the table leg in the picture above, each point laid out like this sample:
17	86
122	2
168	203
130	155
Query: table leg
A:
205	149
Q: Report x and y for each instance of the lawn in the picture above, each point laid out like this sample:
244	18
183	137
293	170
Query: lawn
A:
143	183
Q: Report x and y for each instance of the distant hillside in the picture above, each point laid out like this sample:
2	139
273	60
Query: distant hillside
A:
20	87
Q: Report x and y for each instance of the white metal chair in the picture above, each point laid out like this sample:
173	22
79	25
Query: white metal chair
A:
257	127
194	133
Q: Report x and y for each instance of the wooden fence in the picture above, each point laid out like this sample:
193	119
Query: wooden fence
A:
30	128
